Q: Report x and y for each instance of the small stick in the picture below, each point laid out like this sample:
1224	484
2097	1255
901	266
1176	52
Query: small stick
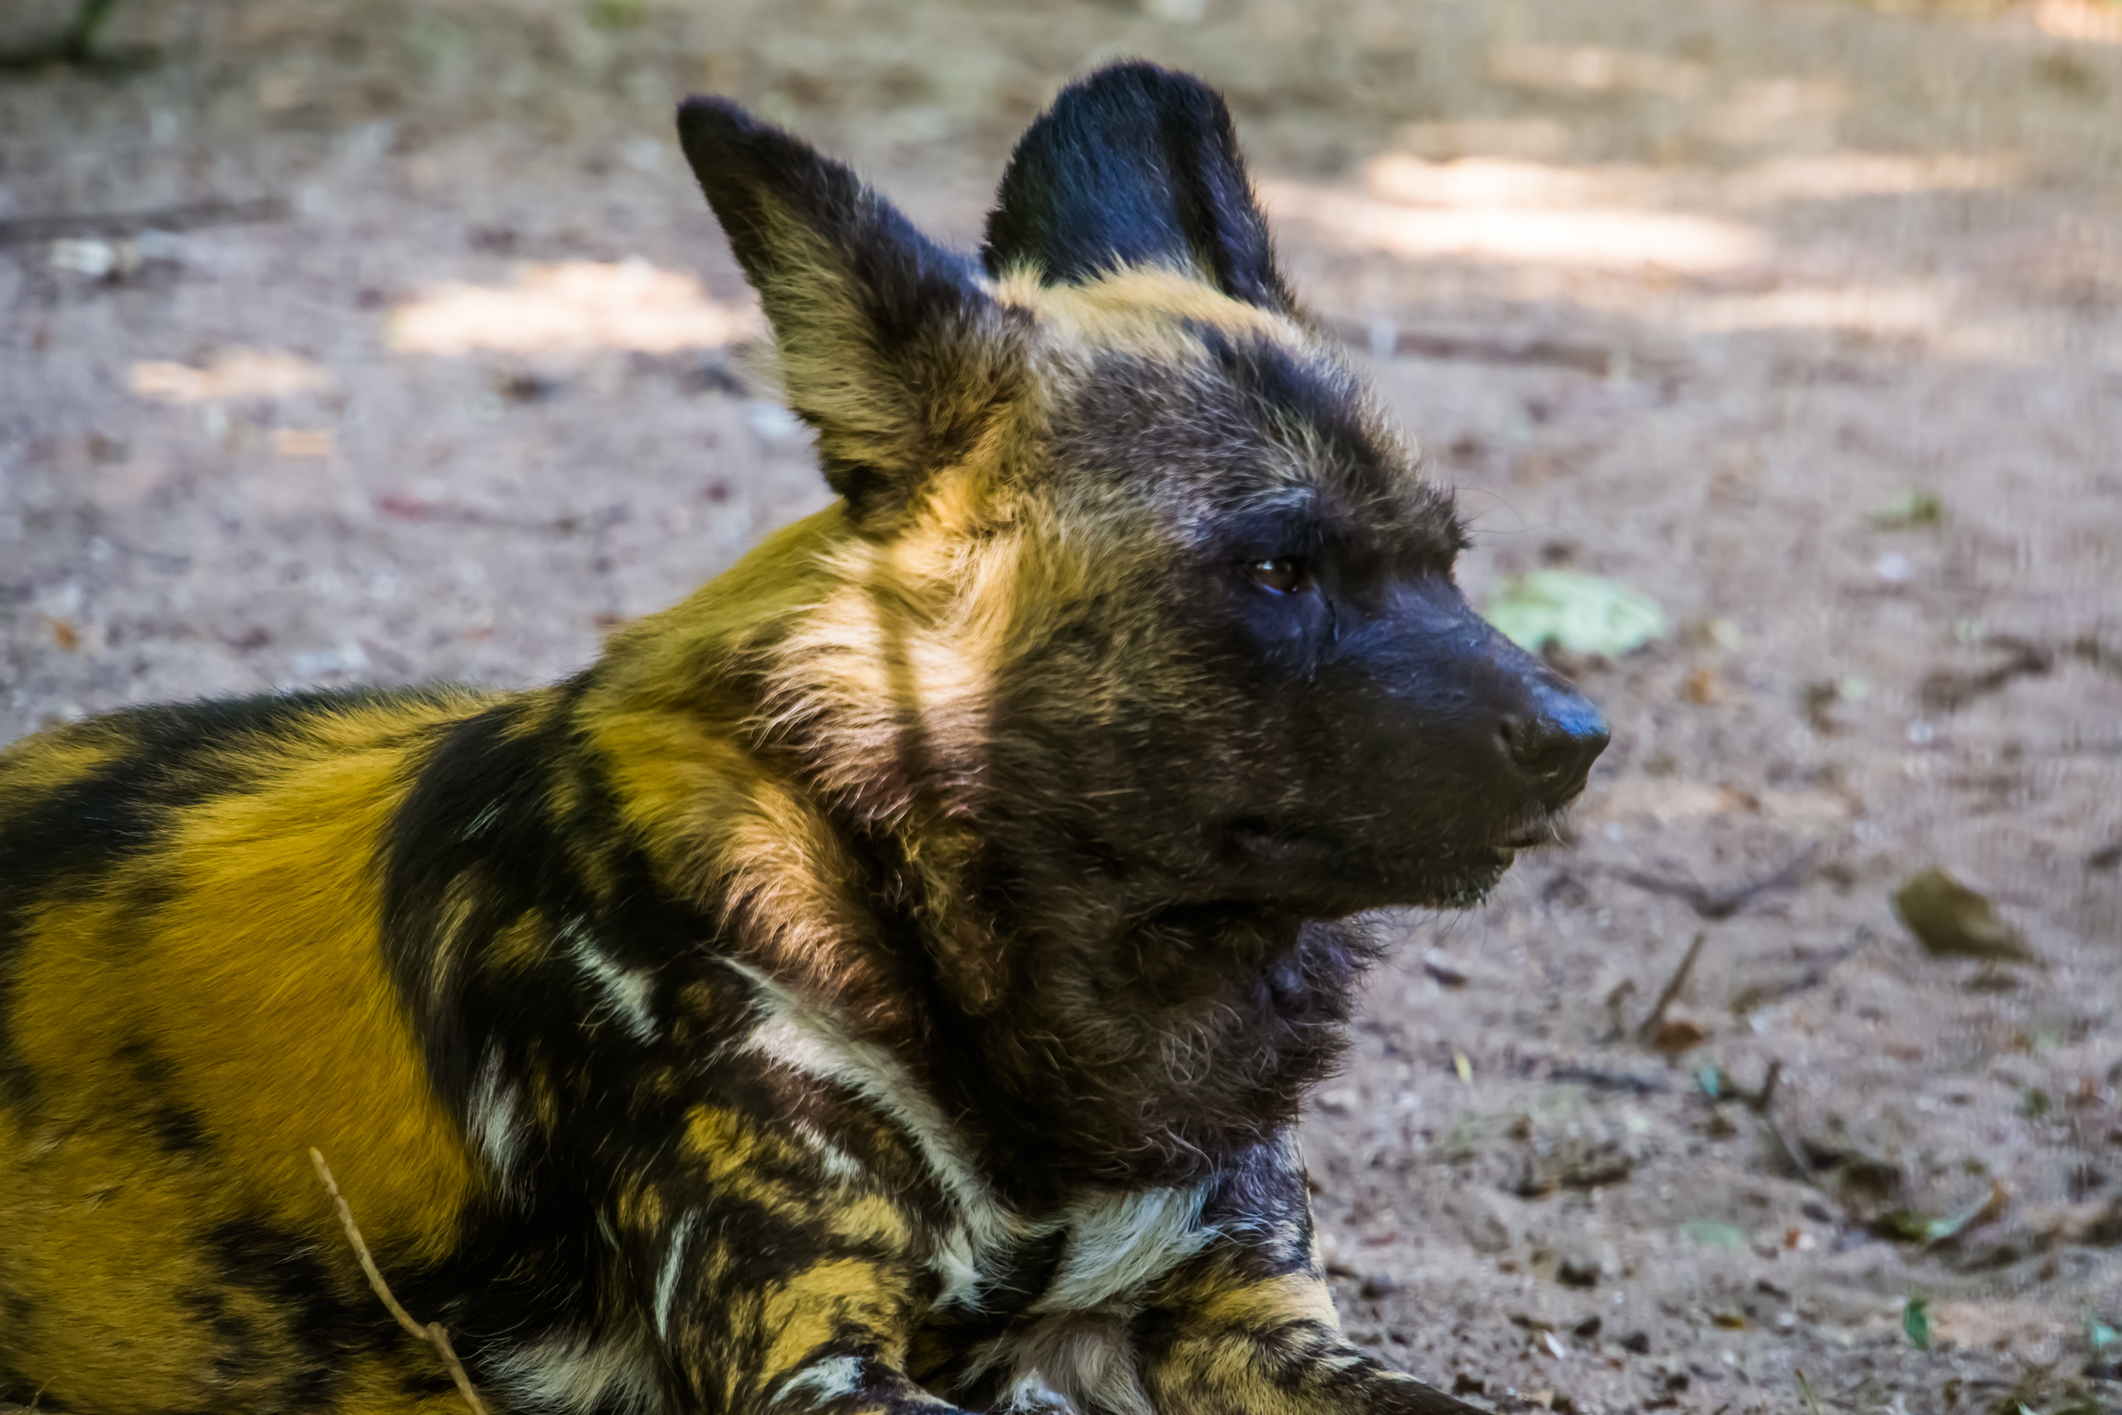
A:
1796	1161
1714	904
1763	1103
1672	988
432	1333
1761	1100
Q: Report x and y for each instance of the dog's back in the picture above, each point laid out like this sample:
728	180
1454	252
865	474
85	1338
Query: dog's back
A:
195	994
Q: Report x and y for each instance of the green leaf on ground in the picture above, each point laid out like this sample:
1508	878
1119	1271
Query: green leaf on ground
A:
1576	612
1952	921
1915	506
1915	1320
1917	1227
1711	1234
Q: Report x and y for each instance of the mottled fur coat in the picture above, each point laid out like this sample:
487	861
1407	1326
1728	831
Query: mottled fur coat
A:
886	980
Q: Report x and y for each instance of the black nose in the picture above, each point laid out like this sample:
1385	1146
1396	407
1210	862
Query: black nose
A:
1554	743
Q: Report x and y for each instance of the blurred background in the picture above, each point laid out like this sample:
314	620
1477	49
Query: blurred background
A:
1775	349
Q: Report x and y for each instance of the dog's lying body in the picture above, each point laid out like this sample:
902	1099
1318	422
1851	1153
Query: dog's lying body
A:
887	979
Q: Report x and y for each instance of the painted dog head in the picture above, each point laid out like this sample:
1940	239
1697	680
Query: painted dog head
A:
1155	590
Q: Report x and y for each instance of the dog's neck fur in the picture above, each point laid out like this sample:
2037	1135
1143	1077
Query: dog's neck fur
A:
1082	1039
1118	1051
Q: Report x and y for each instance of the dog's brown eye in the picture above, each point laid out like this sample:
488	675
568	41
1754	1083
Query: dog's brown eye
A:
1284	574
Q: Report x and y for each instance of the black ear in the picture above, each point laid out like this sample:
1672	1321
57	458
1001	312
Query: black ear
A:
887	345
1134	165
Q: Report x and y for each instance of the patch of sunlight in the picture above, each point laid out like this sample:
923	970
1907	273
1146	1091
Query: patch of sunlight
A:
1594	70
235	373
572	307
1870	309
2093	21
1481	181
1586	237
1843	175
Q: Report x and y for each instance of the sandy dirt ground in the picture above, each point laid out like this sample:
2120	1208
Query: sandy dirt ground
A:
1806	319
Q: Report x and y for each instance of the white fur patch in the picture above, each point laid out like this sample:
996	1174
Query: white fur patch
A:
831	1158
573	1371
1117	1244
804	1039
1075	1355
482	823
824	1380
673	1269
495	1115
955	1261
1073	1363
627	991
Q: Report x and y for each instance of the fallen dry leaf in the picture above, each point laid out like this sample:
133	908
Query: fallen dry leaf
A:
1440	967
1952	921
1675	1034
64	634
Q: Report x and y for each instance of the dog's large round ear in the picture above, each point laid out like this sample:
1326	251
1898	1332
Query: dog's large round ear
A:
887	345
1134	165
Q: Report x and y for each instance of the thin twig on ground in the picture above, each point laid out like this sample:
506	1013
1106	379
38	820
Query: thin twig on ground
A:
1673	985
1758	995
1762	1102
1714	904
1600	1079
1791	1155
432	1332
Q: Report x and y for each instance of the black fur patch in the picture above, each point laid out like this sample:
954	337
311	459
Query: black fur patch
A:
1135	165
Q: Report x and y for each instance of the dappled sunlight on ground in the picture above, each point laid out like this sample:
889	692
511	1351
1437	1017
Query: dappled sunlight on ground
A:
1761	265
1516	232
572	308
232	375
1802	319
2089	20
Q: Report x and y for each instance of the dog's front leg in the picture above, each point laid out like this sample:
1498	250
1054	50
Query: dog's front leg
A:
779	1276
848	1385
1233	1345
1247	1326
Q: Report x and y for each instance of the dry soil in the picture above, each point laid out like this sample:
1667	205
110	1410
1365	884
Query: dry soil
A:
1806	319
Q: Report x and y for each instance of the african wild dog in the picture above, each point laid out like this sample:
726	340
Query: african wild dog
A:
886	980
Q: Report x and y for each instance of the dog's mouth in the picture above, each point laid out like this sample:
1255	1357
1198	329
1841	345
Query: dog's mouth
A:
1339	872
1328	876
1530	833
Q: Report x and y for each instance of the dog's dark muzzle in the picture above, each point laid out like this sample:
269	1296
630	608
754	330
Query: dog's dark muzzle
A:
1551	738
1457	729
